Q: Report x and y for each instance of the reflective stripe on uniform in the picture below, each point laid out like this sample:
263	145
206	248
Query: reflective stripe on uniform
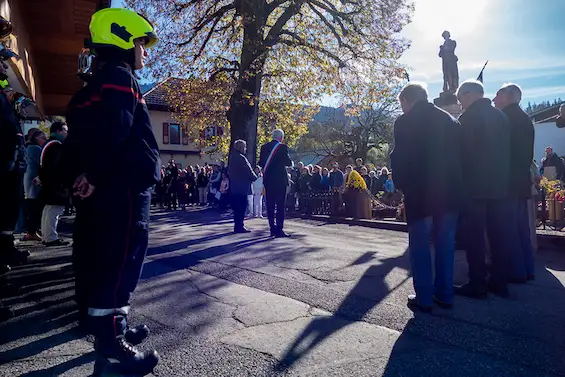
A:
95	312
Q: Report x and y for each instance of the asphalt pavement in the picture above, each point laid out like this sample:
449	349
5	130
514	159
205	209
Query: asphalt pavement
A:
329	301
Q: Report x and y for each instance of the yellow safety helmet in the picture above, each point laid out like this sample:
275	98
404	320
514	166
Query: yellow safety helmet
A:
118	27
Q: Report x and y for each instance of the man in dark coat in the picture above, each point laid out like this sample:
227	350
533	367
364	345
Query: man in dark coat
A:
54	191
520	187
427	168
486	166
552	159
241	176
274	159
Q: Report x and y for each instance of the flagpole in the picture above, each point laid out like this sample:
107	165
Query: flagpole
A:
480	77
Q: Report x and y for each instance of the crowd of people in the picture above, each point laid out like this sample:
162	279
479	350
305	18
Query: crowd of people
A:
478	170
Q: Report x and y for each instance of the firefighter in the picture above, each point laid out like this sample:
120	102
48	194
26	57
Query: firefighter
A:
109	123
12	168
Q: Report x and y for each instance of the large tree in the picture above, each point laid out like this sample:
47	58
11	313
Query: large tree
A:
283	50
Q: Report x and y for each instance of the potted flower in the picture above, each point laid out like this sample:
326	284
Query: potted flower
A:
358	200
555	196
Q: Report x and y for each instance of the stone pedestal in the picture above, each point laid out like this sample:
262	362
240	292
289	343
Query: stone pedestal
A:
448	102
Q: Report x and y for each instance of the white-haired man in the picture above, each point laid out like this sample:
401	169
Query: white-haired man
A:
521	156
274	159
486	166
427	168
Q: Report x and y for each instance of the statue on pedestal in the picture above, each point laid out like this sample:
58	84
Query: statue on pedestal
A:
449	64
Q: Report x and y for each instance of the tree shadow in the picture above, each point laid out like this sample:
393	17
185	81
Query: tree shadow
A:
354	307
170	264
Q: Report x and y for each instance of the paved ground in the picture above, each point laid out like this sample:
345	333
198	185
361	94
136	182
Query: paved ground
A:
330	301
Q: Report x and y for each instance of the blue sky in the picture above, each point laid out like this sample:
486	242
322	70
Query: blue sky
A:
522	39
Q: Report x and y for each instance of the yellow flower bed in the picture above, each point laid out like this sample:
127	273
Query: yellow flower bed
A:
355	181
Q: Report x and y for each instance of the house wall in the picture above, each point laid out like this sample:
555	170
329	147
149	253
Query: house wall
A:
187	155
547	134
20	44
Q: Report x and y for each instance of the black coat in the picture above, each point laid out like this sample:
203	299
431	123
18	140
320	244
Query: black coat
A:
557	162
426	161
486	151
241	174
275	176
54	188
521	151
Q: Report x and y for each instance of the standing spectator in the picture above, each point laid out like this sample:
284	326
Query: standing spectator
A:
223	191
325	184
552	159
337	181
242	176
365	175
32	188
389	184
192	191
383	176
202	184
274	159
373	186
173	187
521	155
182	189
316	180
348	170
358	165
54	192
428	170
215	181
486	182
257	190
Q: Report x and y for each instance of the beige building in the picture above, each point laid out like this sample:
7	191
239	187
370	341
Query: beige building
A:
173	142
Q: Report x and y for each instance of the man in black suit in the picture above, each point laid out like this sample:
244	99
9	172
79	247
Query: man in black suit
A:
274	159
486	166
520	187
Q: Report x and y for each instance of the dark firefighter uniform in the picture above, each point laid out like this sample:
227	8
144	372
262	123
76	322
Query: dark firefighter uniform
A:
109	126
12	167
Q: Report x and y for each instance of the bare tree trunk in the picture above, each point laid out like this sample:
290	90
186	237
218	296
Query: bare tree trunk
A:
243	114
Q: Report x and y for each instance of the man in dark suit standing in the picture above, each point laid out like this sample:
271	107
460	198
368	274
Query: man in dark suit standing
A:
520	187
274	159
486	166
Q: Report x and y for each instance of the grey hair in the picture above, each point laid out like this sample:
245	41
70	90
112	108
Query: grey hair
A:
471	86
513	90
278	134
414	92
239	145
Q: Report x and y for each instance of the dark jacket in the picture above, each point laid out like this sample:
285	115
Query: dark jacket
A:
316	182
241	174
337	179
202	180
426	161
54	187
557	162
275	175
521	151
109	123
486	151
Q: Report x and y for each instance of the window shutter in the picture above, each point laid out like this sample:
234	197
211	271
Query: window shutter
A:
165	133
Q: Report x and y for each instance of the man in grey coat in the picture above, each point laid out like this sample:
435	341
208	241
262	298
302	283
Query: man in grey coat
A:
241	176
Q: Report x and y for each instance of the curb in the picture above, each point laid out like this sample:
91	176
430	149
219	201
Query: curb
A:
545	241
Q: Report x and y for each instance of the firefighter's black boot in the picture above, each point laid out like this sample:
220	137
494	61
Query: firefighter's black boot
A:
121	358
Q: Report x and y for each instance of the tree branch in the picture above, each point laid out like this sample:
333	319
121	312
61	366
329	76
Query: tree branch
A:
275	31
216	17
298	41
